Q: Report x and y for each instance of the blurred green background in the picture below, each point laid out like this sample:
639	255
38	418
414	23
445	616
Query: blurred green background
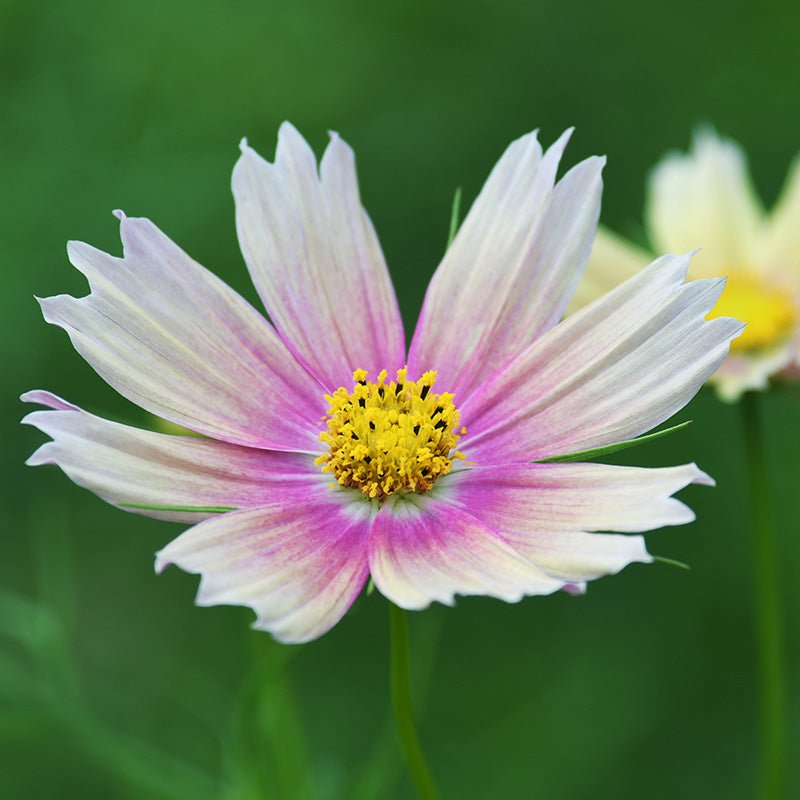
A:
112	684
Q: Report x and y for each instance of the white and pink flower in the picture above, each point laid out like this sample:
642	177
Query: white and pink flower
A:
317	470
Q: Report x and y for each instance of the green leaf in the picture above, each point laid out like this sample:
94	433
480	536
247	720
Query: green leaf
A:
197	509
597	452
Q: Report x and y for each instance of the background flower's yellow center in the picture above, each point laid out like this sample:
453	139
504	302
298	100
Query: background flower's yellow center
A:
769	311
383	438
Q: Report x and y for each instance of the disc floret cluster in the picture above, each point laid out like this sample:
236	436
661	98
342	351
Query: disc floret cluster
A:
388	437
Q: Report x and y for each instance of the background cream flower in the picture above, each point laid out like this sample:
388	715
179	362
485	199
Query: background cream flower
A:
705	199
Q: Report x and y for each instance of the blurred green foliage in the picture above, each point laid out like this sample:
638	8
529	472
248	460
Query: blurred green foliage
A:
112	684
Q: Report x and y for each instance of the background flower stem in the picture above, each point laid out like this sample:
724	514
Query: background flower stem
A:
401	705
768	612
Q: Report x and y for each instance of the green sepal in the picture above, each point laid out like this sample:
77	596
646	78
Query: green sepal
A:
597	452
197	509
671	561
454	214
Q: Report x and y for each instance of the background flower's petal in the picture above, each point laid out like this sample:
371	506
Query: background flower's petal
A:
422	549
299	562
315	259
511	269
548	512
131	467
742	372
778	250
173	338
613	260
609	372
704	199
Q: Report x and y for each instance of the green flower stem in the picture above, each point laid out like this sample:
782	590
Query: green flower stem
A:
768	611
401	704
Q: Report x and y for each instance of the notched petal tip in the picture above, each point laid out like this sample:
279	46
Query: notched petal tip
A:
44	398
700	477
292	145
32	396
161	562
288	129
560	144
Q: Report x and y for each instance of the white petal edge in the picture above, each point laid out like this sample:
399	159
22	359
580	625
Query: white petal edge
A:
553	514
423	550
173	338
315	259
610	372
299	563
512	267
157	474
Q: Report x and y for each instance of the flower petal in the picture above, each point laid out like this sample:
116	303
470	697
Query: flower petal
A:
299	562
778	252
548	512
422	549
315	259
704	199
612	261
608	373
511	269
742	372
173	338
132	468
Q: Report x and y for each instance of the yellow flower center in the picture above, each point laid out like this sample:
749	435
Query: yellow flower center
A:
768	310
389	437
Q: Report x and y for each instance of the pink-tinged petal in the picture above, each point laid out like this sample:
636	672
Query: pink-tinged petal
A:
315	259
550	512
173	338
422	549
610	372
132	468
299	562
512	268
705	199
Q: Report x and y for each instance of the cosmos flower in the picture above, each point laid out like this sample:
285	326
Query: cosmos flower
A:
705	200
329	452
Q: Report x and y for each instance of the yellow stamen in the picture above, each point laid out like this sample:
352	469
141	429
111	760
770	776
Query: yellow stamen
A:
388	437
768	310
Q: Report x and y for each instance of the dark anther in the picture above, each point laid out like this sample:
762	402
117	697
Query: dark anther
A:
398	388
424	393
416	430
371	425
438	410
363	383
381	391
362	402
441	425
354	435
367	459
